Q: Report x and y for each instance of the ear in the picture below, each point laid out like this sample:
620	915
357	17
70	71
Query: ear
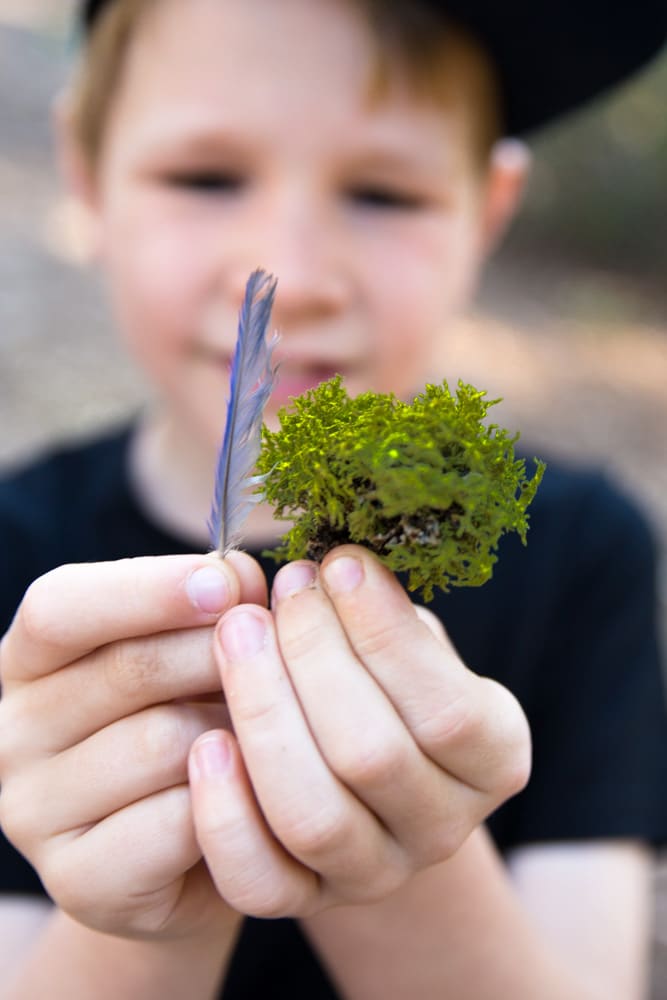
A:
75	167
509	170
78	174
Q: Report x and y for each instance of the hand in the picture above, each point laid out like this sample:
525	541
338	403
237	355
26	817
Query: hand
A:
108	677
364	750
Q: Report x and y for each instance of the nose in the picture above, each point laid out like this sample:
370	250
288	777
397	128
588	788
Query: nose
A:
294	241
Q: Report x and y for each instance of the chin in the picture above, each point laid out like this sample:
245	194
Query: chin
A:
271	418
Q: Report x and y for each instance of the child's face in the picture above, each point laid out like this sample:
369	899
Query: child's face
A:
243	137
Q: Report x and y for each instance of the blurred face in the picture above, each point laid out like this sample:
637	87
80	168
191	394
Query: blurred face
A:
243	137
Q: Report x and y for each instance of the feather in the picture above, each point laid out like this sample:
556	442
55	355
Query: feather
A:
251	380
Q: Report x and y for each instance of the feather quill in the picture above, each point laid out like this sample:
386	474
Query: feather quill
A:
251	381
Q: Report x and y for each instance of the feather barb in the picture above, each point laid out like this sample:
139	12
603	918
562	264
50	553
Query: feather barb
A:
251	380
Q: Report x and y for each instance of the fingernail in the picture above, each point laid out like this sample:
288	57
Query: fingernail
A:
343	574
242	635
512	153
211	757
293	578
208	590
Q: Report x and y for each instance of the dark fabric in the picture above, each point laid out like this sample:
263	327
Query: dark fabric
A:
549	58
568	623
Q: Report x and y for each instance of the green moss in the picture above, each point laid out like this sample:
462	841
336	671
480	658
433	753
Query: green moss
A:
427	486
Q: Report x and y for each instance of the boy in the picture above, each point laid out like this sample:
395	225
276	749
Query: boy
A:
350	148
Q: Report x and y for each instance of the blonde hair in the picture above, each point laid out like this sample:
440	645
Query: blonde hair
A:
438	60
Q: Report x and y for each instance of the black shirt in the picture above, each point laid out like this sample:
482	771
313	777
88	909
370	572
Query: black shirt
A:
568	623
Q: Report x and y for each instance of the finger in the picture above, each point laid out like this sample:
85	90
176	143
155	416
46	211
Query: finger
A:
252	582
134	863
251	870
317	819
469	725
112	682
129	760
77	608
432	621
359	732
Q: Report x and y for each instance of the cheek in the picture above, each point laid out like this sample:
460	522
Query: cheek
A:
419	290
155	280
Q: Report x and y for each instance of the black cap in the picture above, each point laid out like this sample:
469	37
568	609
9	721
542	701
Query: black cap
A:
89	11
551	57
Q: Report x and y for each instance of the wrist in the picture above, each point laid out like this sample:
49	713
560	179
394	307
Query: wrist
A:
73	962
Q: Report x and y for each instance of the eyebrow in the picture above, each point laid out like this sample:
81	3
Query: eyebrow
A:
397	161
209	136
168	134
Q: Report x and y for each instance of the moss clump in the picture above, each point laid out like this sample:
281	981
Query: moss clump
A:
427	486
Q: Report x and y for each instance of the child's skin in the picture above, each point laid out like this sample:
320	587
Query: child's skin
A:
372	752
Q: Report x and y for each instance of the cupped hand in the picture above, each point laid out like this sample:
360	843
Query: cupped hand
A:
107	679
363	749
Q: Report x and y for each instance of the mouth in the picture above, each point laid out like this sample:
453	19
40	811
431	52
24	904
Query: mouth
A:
212	356
292	381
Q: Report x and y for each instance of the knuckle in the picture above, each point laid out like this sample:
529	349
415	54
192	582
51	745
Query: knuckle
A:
164	736
37	612
252	709
383	883
6	813
17	816
447	725
271	907
371	761
517	775
9	726
516	770
59	874
376	637
267	899
513	740
375	878
59	885
22	735
317	833
4	659
300	627
131	666
442	841
432	622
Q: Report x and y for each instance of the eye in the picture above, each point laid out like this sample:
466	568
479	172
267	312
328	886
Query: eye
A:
207	181
384	197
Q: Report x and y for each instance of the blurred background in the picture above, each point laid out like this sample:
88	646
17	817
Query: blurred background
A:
570	325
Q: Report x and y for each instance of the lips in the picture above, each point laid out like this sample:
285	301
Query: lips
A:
212	355
291	382
295	375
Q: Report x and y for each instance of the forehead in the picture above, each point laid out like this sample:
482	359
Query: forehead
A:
267	65
244	43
